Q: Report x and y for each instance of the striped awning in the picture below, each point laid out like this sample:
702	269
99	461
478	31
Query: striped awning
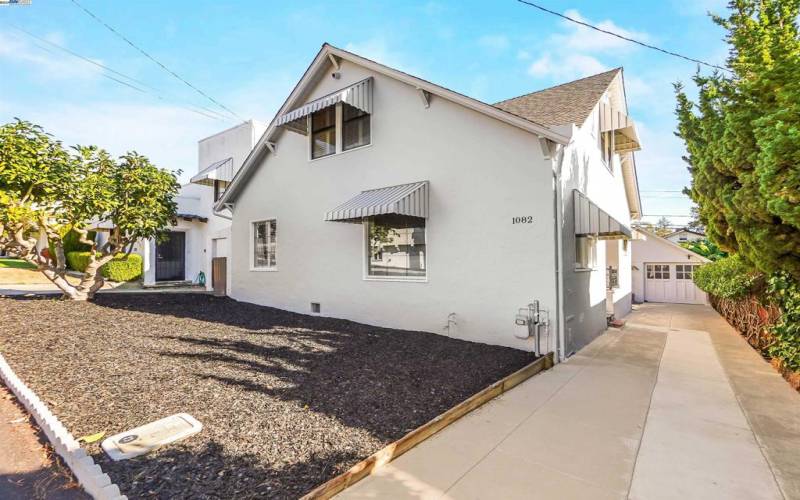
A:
218	171
406	199
358	95
626	139
591	220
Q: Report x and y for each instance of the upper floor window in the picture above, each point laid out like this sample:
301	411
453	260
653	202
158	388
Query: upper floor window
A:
323	132
339	128
355	127
219	189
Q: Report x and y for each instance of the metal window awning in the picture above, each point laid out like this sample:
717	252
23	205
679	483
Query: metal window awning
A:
405	199
218	171
591	220
358	95
626	139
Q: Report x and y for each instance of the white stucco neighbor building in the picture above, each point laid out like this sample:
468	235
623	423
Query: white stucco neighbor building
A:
382	198
200	234
685	236
663	270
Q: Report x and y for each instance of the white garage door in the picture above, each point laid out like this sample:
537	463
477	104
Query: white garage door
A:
671	282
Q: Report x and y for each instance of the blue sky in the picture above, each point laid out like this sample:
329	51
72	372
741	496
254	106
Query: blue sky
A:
249	54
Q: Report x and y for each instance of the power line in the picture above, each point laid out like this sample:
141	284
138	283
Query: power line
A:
214	115
601	30
140	50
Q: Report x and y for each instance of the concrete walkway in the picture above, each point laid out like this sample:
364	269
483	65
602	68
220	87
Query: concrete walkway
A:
664	408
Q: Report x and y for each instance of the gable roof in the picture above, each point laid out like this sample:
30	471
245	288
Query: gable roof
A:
654	237
564	104
685	230
327	55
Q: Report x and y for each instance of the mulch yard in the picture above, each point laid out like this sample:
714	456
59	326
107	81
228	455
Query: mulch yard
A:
287	400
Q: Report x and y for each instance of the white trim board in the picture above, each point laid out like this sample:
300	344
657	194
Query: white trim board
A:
89	474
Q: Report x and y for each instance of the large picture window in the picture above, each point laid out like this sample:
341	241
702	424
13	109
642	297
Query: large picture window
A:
265	244
396	247
355	127
323	132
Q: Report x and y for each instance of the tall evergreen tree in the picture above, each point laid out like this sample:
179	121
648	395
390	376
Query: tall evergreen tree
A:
743	137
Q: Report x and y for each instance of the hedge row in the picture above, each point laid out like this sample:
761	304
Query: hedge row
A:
120	268
734	280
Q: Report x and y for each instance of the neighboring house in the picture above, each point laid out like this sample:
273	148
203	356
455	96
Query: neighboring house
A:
200	234
663	270
382	198
685	236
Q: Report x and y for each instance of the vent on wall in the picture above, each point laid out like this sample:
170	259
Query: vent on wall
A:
315	307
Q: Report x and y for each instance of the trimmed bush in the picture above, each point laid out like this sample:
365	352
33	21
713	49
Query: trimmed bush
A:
121	268
70	240
728	278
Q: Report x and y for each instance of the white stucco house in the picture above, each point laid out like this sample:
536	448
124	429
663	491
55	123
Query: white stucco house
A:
386	199
201	234
685	236
663	270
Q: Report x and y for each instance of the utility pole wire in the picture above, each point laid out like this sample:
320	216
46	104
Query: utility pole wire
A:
140	50
627	39
214	115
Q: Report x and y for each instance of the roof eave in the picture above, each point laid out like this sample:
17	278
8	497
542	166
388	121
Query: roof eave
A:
322	59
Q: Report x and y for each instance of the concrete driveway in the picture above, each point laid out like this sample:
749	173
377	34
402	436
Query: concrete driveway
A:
675	405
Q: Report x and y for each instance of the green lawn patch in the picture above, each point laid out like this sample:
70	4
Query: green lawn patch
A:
15	264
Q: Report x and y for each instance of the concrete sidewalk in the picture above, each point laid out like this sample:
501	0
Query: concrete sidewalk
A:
647	412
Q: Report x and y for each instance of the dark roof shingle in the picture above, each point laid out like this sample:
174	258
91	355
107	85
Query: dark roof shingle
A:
570	102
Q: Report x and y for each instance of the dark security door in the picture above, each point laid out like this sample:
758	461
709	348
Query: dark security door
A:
171	258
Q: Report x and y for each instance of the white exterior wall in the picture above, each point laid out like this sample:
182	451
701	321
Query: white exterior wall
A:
650	249
196	199
236	143
480	266
686	235
585	291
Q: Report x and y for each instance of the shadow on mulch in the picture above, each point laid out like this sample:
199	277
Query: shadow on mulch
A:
287	400
240	477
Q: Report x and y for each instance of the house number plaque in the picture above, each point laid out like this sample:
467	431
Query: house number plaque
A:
525	219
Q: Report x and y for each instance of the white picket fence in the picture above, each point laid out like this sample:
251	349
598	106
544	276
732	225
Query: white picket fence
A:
89	474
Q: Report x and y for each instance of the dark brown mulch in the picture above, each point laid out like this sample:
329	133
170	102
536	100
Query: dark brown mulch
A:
287	400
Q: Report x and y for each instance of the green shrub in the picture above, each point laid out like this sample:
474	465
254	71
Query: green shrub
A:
705	248
121	268
728	278
71	242
784	291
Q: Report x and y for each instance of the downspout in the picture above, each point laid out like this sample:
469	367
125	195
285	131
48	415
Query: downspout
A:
559	260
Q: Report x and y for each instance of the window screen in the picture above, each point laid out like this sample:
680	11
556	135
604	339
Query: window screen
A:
323	132
396	247
264	243
356	127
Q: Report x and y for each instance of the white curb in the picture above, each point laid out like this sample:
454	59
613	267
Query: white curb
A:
89	474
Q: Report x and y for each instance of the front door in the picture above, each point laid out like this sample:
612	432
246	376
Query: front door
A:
171	258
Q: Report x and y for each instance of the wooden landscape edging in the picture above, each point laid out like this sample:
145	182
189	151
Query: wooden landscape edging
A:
365	467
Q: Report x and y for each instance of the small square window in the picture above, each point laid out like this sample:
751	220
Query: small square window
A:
397	247
585	252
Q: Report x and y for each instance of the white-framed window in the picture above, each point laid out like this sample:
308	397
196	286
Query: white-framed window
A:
323	132
658	271
337	129
605	141
585	252
684	271
265	245
396	248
